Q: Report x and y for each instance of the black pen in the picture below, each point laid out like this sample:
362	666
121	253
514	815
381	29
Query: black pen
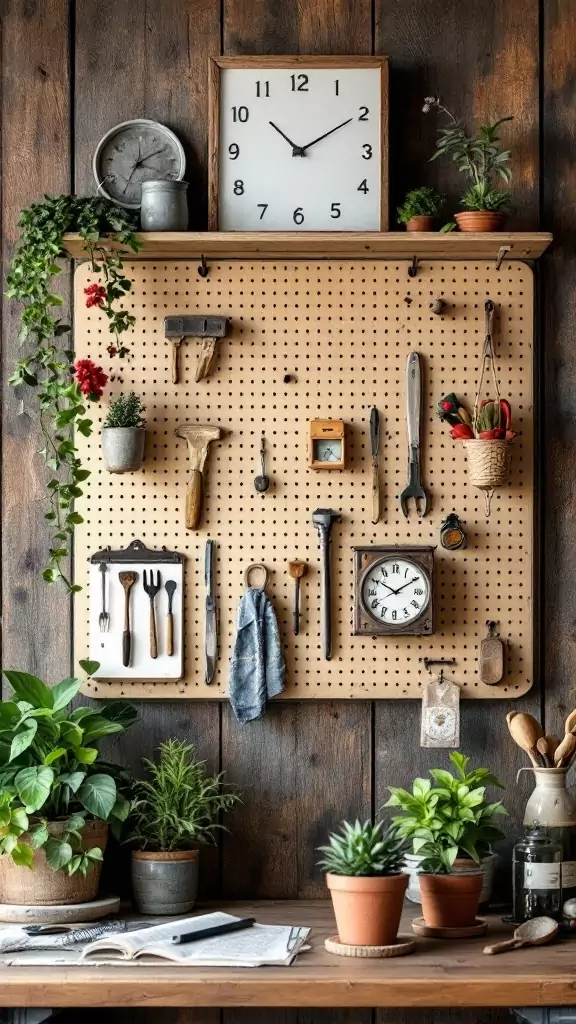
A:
217	929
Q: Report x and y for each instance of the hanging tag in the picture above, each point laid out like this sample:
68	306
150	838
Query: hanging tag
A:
491	660
440	714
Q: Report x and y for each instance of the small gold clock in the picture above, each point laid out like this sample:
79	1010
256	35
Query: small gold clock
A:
327	445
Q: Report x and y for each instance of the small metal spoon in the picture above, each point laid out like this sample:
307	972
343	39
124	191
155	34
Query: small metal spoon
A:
262	482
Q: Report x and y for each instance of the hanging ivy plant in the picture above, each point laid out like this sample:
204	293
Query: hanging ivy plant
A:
60	389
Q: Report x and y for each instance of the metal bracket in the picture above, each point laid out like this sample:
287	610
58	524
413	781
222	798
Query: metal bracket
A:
502	253
428	662
413	268
203	269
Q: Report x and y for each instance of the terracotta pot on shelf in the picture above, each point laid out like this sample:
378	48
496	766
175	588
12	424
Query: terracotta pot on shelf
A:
479	220
420	223
367	907
41	886
450	901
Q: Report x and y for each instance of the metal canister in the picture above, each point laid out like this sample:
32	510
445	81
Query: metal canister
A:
164	206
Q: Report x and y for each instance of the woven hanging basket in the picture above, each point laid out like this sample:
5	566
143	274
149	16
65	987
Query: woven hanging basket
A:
488	465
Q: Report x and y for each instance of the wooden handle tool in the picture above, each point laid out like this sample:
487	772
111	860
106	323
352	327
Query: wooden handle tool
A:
170	586
127	579
536	932
564	751
526	731
542	748
198	438
194	497
297	570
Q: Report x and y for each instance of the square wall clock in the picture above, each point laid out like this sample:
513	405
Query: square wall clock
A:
298	144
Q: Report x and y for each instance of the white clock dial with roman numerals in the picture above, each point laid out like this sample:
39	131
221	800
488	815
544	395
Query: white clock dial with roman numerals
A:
395	591
300	148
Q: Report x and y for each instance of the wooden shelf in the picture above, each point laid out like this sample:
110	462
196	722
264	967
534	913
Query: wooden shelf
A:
528	245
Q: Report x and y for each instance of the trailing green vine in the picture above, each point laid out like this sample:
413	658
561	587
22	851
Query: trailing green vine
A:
60	389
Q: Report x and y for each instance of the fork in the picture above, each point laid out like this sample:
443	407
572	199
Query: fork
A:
104	617
152	589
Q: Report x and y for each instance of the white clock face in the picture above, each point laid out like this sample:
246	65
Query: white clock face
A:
300	149
395	591
328	451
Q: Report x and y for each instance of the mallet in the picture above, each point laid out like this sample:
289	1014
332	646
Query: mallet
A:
198	438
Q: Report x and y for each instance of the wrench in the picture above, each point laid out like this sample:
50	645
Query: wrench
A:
414	487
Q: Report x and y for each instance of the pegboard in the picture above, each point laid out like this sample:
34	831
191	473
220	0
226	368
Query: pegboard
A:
342	332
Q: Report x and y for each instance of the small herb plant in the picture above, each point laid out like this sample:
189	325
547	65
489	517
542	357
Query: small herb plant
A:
364	849
479	157
60	390
125	411
451	818
420	202
178	805
50	771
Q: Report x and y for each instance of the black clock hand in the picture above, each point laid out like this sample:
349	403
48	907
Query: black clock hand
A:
326	134
381	582
415	580
296	150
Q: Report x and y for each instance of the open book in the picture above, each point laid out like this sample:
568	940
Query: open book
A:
262	944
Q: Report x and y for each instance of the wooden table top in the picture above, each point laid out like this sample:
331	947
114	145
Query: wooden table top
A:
439	974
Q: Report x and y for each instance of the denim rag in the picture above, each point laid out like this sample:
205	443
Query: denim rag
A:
257	667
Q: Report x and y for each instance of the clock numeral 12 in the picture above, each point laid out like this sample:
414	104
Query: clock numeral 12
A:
299	83
263	89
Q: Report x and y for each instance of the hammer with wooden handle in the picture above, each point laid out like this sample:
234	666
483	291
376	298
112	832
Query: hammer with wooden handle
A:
208	328
198	438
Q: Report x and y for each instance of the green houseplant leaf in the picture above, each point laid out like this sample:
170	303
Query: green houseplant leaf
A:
29	688
98	795
33	786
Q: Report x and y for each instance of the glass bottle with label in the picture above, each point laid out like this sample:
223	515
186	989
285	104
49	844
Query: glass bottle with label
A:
552	805
537	876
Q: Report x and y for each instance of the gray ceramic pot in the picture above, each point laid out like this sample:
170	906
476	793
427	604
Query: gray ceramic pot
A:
123	448
164	206
165	883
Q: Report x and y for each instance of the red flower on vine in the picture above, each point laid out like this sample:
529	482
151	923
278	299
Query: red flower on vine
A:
96	295
91	378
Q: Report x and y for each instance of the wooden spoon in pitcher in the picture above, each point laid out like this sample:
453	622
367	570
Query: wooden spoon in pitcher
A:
526	731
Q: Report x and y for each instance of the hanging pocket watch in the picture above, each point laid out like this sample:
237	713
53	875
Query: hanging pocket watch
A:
452	535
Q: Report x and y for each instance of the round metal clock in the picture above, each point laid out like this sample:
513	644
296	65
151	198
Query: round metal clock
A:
134	152
394	591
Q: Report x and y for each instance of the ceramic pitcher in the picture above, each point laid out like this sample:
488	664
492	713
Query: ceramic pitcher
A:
553	806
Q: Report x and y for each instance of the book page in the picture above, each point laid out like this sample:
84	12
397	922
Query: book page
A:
256	945
159	935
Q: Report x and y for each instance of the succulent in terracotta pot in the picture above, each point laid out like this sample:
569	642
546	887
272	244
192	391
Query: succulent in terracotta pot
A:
364	872
124	434
481	159
452	826
420	209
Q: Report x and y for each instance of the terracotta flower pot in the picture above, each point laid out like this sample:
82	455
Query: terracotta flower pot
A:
450	901
367	907
479	220
165	883
40	886
420	223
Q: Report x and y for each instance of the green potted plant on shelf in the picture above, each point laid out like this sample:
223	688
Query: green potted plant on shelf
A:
364	871
481	159
175	809
57	797
124	434
420	209
452	826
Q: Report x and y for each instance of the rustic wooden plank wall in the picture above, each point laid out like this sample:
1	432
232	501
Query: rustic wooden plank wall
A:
70	71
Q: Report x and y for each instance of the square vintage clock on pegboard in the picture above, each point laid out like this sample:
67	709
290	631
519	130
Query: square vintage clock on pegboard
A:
322	340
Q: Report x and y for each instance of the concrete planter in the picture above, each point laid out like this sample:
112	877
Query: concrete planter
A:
165	883
487	867
123	448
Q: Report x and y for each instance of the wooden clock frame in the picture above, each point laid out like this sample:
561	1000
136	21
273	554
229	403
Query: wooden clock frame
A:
364	559
217	64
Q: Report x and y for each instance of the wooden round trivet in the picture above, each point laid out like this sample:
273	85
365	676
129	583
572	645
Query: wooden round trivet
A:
402	947
13	913
419	927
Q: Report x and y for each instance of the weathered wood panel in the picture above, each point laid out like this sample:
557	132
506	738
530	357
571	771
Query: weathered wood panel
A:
35	136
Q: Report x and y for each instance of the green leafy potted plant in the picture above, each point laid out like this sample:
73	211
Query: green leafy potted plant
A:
174	810
61	389
364	872
56	795
480	158
452	827
124	434
420	209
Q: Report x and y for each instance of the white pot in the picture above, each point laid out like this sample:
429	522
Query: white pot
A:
123	448
487	865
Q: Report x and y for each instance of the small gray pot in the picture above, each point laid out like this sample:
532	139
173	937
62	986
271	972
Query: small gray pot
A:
165	883
164	206
123	448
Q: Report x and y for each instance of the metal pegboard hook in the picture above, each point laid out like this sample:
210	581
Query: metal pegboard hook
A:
413	268
203	268
502	253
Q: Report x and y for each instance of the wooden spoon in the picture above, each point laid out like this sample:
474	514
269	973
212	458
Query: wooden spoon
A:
536	932
542	748
564	751
526	731
570	722
552	743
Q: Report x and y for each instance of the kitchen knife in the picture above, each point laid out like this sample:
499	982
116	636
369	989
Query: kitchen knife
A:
211	615
375	445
